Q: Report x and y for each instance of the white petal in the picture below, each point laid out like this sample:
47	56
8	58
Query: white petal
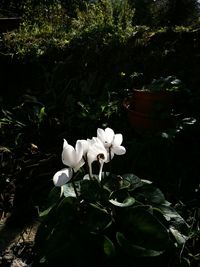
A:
117	140
62	177
91	156
67	157
95	140
78	151
65	143
79	165
101	134
109	135
85	146
70	156
119	150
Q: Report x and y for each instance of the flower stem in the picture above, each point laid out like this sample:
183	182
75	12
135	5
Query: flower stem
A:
100	171
89	167
110	162
75	190
74	185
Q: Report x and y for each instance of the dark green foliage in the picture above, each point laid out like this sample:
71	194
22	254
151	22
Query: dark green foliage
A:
181	12
136	229
10	8
165	12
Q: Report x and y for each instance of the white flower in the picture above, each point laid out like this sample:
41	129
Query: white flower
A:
111	141
101	148
85	146
63	176
106	136
73	157
94	150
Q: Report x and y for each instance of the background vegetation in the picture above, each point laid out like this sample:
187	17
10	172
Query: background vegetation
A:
65	71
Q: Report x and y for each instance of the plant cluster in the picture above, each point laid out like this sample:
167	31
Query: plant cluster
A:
169	83
53	27
104	219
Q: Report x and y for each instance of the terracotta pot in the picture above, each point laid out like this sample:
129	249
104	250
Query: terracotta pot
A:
146	122
148	102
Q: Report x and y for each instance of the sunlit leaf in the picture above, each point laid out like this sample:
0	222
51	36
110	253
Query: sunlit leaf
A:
173	218
42	114
129	201
134	180
45	212
180	238
68	189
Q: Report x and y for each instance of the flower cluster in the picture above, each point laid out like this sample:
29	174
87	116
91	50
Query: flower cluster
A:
101	148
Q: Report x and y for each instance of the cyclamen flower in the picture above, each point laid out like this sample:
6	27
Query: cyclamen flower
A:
63	176
111	141
101	148
73	157
94	150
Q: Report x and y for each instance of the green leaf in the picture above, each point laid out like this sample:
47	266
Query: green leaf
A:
129	201
91	191
173	218
109	248
42	114
87	177
149	194
144	229
134	180
45	212
52	199
180	238
115	182
121	198
119	195
68	189
134	250
96	219
66	212
54	195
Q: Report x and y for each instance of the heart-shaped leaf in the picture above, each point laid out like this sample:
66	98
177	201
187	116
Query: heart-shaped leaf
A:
68	189
133	180
96	219
134	250
141	227
149	194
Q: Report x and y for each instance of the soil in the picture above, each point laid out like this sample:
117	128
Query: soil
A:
16	244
